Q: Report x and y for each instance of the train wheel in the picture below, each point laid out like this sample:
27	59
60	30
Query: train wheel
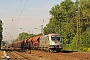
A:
55	50
51	50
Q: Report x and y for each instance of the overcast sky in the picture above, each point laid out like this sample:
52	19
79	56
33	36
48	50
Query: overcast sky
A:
25	14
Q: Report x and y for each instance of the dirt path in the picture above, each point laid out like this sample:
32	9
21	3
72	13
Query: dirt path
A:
61	55
1	54
42	55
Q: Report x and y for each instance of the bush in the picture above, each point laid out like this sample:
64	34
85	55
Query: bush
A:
88	49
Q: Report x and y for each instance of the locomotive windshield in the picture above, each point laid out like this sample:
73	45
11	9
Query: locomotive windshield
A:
55	37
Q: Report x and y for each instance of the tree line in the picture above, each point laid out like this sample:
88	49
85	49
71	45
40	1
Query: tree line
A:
72	21
25	35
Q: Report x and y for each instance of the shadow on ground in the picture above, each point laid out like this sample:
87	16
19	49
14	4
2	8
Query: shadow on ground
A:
67	51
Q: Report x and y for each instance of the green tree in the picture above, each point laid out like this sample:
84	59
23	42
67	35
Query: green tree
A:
23	36
61	16
50	27
85	17
86	38
1	29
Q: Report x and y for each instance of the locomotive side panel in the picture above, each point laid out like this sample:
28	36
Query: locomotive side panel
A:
44	42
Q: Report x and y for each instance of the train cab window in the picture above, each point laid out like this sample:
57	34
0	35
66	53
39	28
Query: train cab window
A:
58	37
55	37
52	37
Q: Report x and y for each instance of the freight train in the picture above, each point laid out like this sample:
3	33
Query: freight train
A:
49	42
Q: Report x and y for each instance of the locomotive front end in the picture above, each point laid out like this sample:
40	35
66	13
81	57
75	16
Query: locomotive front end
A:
55	42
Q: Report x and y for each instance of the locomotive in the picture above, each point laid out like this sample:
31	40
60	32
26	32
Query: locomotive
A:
49	42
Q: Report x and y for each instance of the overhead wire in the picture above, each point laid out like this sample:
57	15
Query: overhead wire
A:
18	8
16	13
21	12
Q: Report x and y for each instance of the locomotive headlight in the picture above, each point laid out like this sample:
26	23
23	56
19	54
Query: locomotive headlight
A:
52	46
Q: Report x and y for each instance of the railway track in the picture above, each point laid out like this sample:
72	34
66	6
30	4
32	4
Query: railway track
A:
42	55
24	56
14	57
17	56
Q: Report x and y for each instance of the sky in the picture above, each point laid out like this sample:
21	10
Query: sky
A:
24	16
